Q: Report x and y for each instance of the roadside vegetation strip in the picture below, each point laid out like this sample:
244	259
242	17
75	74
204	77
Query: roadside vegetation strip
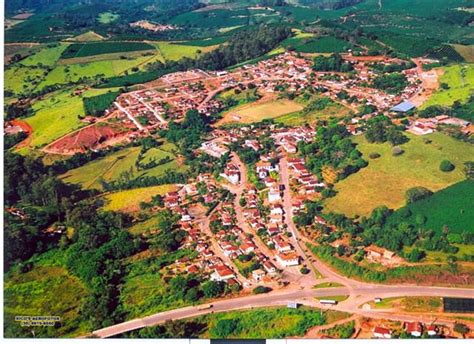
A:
129	200
385	180
352	270
327	285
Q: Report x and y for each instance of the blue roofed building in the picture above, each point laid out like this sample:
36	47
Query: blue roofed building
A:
403	107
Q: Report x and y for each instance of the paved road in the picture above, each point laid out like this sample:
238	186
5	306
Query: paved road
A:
305	296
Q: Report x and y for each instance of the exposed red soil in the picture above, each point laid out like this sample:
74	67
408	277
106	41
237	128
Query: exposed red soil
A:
87	138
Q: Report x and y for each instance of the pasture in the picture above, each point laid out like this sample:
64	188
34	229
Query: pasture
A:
333	110
113	165
460	80
129	200
385	180
57	115
256	112
46	57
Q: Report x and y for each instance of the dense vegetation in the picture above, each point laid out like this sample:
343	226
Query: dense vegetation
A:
332	147
333	63
96	106
90	49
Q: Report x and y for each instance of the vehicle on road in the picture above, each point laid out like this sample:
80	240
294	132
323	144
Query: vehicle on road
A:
328	302
204	307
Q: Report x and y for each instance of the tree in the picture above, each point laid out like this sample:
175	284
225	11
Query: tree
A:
461	328
446	166
225	327
261	290
469	169
415	255
417	193
212	289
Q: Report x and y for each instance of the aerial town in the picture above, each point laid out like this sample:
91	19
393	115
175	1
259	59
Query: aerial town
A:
239	169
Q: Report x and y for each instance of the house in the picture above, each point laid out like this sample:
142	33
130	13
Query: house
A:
269	267
252	144
258	275
274	195
231	173
377	253
414	329
288	259
222	273
281	245
247	248
381	332
432	330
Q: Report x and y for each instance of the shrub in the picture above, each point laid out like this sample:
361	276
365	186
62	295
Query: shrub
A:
446	166
417	193
374	155
262	290
304	270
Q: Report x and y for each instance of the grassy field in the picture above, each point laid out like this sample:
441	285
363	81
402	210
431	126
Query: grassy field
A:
460	79
175	51
410	304
306	43
112	166
36	293
107	17
57	115
327	285
438	256
19	79
333	110
129	200
47	57
449	207
251	112
385	180
88	36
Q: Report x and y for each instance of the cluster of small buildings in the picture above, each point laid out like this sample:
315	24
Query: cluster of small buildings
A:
306	182
414	329
424	126
288	138
145	24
